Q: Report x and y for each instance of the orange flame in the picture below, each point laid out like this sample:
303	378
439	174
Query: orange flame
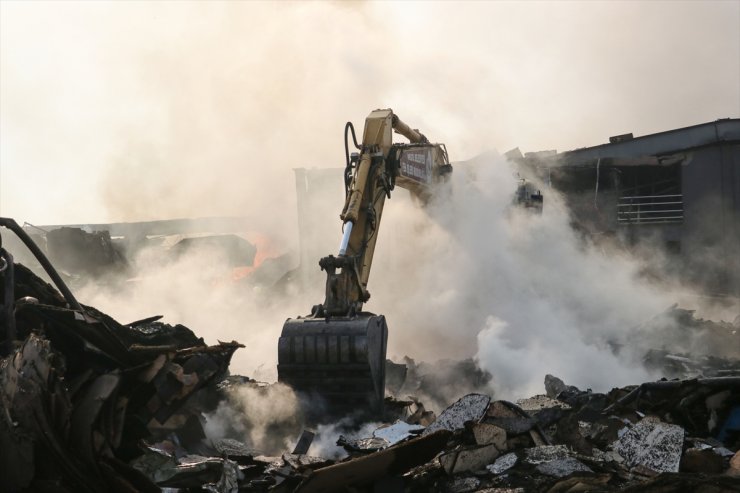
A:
265	250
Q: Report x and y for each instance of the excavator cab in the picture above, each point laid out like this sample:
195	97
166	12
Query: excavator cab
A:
338	351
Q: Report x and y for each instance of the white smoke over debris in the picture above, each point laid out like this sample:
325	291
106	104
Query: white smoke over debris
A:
130	111
327	435
117	111
266	418
199	290
519	290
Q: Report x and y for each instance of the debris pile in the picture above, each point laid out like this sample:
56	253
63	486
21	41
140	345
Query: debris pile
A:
89	404
678	435
83	395
684	345
87	254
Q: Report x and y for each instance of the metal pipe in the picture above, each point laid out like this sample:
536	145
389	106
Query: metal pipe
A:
414	136
345	238
8	278
48	267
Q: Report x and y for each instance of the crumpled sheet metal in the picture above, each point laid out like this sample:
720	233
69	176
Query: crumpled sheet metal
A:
84	435
393	460
36	408
73	381
130	374
362	445
229	480
471	407
397	432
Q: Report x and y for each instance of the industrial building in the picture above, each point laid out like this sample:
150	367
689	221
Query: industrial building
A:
678	190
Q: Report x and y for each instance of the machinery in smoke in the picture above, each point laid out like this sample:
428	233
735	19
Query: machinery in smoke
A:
339	350
528	197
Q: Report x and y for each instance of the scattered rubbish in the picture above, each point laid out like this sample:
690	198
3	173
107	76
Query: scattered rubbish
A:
463	485
560	468
85	253
546	453
503	463
371	444
363	470
304	442
472	407
89	404
397	432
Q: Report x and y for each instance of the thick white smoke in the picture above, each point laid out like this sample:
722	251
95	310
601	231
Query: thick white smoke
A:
519	291
116	111
135	111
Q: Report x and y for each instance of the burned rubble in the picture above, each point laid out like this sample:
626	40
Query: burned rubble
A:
90	404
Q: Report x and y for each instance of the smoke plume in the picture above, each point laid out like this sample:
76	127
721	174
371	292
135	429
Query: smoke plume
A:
128	111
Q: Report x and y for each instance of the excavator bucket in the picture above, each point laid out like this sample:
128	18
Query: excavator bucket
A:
341	359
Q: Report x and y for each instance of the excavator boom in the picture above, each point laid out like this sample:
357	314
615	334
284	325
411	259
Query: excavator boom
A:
338	351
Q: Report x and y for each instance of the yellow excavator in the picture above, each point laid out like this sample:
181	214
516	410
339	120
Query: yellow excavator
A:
338	352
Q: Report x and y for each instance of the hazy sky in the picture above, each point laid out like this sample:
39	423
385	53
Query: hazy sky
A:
140	110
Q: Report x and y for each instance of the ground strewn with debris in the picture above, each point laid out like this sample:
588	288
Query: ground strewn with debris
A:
92	405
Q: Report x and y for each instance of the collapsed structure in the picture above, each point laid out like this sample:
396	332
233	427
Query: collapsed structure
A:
79	390
89	404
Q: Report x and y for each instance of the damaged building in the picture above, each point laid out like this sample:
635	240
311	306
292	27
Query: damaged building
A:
104	252
90	404
678	190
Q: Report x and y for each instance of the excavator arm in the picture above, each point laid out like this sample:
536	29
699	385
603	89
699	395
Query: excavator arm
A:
378	166
338	352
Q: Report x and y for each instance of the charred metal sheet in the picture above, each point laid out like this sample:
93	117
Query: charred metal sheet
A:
304	442
397	432
7	317
88	439
362	445
393	460
78	251
471	407
233	449
37	410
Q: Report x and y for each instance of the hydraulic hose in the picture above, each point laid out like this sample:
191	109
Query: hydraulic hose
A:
348	164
